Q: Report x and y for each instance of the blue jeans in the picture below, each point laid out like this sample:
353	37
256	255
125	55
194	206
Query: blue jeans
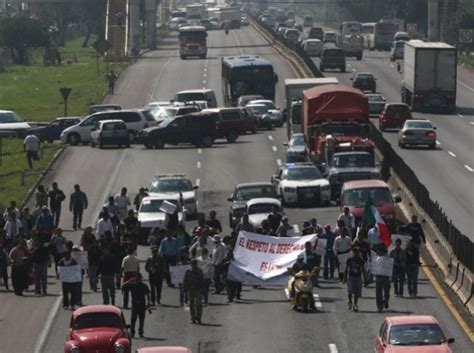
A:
412	278
41	277
398	279
329	261
92	273
382	291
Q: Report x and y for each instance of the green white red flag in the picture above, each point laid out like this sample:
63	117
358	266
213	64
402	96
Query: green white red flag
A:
372	216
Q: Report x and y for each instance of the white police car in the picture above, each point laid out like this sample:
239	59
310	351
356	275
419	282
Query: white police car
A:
301	183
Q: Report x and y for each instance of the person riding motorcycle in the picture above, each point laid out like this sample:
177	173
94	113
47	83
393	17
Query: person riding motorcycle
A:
227	27
301	280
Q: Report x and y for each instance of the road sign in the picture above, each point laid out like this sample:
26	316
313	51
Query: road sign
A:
412	27
65	91
101	46
466	35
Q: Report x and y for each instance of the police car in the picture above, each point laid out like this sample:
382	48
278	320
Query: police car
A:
176	184
301	183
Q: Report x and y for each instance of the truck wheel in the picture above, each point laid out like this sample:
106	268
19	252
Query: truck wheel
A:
183	57
159	143
232	136
432	146
359	56
254	129
343	69
207	141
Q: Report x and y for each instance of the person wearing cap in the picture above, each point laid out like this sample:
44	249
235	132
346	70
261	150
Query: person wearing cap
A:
140	302
218	256
329	257
353	278
306	229
284	228
193	283
155	275
382	284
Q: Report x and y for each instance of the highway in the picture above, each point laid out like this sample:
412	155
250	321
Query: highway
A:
262	321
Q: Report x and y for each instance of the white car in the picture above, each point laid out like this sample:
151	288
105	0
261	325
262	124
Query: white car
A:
301	183
258	209
176	185
12	124
151	215
273	111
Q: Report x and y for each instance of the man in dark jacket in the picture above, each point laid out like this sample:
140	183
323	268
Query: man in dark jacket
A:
107	270
56	197
77	205
154	267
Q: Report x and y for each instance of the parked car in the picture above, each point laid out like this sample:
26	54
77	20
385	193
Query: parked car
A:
393	116
242	101
81	133
162	113
332	58
417	132
176	22
295	149
365	81
197	95
230	122
312	47
376	103
102	108
307	21
273	111
414	333
330	37
281	30
258	209
298	27
292	35
316	33
397	51
53	130
196	128
110	132
244	21
244	192
98	328
11	124
354	195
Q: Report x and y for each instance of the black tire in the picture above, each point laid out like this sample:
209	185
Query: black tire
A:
343	69
207	141
381	127
159	143
254	130
432	146
359	57
183	57
101	145
73	139
127	145
92	143
231	137
304	305
401	145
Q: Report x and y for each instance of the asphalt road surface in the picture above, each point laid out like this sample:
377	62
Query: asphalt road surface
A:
262	321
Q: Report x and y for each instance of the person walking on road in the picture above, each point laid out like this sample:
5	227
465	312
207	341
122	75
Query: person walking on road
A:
137	201
349	221
329	257
40	258
122	201
111	79
130	269
245	225
140	302
58	246
69	288
56	197
13	229
412	267
342	245
4	265
104	224
45	222
154	267
206	265
107	270
399	267
214	223
274	219
218	256
193	283
169	251
41	197
20	260
78	203
382	285
415	230
353	278
31	145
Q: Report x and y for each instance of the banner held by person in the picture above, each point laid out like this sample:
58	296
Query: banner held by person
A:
404	238
70	274
177	273
263	260
382	266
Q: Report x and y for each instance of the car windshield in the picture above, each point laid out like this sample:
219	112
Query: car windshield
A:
261	208
358	197
10	117
92	320
375	98
257	109
303	173
418	125
398	109
153	206
252	192
364	77
297	141
353	161
270	105
342	130
416	334
171	185
191	96
167	122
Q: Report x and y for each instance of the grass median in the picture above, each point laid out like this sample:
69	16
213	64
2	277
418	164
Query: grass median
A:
33	92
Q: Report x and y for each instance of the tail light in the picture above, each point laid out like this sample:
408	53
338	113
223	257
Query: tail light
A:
418	95
146	125
431	134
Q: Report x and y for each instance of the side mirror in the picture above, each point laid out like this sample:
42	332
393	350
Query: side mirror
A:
434	127
450	340
397	198
352	78
230	198
274	178
195	187
285	144
276	78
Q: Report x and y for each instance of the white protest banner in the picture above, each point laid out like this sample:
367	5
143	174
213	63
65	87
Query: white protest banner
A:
404	238
382	266
70	274
168	207
177	273
263	260
342	259
81	258
320	247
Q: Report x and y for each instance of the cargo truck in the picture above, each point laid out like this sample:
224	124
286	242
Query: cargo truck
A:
294	88
196	11
335	119
429	76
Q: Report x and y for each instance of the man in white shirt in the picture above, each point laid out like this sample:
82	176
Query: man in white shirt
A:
130	269
206	265
218	256
12	228
349	220
31	146
342	245
104	224
122	201
374	238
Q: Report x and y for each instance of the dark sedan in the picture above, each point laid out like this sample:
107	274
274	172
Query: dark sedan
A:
53	130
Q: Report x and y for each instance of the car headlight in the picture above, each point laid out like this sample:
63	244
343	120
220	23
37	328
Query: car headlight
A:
119	348
74	349
289	189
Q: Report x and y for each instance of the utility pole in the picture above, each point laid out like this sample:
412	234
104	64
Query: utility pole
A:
150	19
134	18
433	20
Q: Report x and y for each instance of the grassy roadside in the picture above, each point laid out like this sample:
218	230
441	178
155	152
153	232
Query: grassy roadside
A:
466	60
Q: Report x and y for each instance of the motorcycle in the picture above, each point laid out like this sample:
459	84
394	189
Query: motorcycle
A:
227	30
300	289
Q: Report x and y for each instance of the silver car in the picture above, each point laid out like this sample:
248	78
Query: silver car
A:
295	149
376	103
417	132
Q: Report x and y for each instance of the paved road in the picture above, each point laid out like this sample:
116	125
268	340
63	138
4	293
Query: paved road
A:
262	321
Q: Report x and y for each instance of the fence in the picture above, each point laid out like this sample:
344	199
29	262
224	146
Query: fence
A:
463	247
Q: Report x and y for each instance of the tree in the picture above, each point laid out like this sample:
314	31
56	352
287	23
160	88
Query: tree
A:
20	34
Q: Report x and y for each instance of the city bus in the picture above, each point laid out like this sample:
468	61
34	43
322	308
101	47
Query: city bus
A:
245	75
192	42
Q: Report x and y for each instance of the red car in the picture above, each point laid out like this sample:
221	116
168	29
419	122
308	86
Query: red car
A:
394	116
164	350
418	334
98	328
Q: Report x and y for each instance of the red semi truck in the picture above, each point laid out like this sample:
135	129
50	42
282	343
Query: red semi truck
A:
335	119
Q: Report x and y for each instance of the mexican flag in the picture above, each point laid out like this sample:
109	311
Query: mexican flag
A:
372	216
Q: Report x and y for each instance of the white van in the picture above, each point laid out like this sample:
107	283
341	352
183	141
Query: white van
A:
207	95
81	133
397	50
313	47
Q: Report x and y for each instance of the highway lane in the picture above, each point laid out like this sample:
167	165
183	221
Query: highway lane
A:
262	321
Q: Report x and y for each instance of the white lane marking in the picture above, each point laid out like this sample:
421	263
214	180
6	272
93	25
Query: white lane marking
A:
270	137
296	228
466	86
287	293
198	182
392	66
198	164
349	65
204	74
468	168
471	122
451	154
274	148
460	115
279	162
238	43
203	82
155	86
333	348
199	150
317	301
353	70
185	307
205	67
47	327
438	143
